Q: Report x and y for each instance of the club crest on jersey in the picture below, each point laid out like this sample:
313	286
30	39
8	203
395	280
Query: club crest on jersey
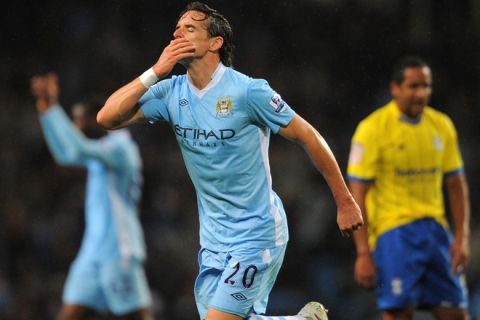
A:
437	142
224	106
277	103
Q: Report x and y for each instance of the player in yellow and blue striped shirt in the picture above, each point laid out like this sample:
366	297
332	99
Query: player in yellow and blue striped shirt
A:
400	157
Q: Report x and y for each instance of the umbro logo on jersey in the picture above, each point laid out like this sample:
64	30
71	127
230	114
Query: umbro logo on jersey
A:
183	102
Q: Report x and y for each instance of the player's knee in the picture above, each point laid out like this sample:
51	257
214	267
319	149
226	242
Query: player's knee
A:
451	314
72	312
398	314
142	314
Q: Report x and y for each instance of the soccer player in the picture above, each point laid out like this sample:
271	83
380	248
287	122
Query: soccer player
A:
222	120
107	275
400	157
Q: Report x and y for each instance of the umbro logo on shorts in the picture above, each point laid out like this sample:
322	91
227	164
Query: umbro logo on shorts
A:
238	296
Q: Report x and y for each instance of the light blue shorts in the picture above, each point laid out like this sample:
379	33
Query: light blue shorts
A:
237	282
107	286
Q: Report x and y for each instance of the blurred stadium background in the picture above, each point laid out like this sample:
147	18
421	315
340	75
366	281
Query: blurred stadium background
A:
329	59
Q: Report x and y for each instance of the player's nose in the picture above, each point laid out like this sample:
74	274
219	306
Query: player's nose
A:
178	33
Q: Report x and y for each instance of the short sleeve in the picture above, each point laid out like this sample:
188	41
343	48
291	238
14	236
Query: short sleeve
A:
154	102
364	153
452	162
266	107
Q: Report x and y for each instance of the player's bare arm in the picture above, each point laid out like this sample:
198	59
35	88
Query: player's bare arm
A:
364	266
120	109
459	206
349	217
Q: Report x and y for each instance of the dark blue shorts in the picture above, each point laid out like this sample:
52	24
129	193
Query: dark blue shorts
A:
414	268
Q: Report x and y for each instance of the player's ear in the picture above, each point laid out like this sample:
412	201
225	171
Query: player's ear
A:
216	43
394	87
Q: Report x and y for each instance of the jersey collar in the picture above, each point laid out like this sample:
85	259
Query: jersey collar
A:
215	78
400	116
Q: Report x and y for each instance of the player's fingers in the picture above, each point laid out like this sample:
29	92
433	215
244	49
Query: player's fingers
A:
365	282
179	40
177	45
346	232
457	266
460	269
185	55
38	86
357	226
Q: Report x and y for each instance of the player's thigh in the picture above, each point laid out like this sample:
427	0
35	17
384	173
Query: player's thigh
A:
213	314
82	286
246	281
211	266
400	264
125	286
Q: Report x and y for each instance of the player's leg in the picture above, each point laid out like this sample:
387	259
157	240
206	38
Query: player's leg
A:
442	313
398	314
126	290
142	314
311	311
245	281
443	289
77	312
82	297
236	285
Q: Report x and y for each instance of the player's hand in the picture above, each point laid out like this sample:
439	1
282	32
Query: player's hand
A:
45	90
39	90
365	271
349	217
52	88
460	253
178	49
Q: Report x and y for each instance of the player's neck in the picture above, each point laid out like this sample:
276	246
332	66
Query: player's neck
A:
200	71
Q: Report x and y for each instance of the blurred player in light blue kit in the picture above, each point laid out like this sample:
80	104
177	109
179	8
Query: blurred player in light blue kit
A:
222	120
107	275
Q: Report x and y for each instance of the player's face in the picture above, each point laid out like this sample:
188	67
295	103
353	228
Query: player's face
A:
193	27
413	94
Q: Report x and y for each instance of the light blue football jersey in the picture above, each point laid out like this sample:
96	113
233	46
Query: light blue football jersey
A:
223	132
114	183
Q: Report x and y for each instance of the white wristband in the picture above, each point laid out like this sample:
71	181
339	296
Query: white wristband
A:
148	78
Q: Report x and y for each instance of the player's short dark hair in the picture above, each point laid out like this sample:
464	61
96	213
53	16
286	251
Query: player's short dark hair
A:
398	74
218	27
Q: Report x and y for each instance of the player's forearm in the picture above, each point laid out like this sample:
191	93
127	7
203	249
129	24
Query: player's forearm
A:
359	192
121	106
459	205
61	136
325	162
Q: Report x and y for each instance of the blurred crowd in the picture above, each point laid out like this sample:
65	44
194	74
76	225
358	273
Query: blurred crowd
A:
329	59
